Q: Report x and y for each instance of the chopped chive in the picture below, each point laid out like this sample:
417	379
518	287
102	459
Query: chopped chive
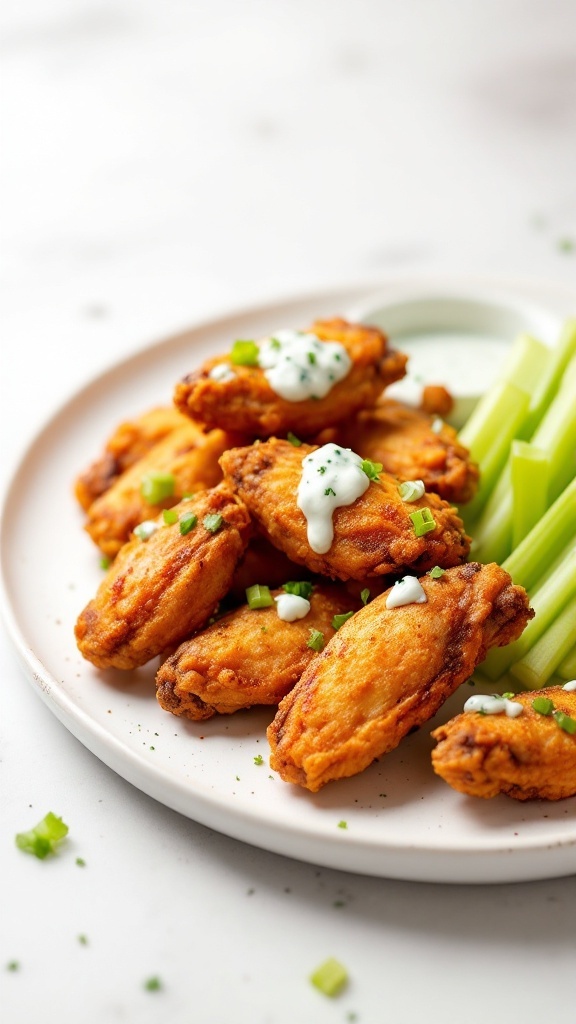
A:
81	862
508	695
339	620
83	940
258	596
13	965
566	723
153	984
258	759
423	521
188	522
322	469
372	469
275	344
316	640
213	522
411	490
330	978
293	439
311	358
170	516
155	487
44	837
303	588
104	562
329	492
365	595
543	705
245	353
342	824
145	530
436	572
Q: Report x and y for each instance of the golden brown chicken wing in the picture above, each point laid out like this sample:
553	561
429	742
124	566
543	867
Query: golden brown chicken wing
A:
373	536
188	454
262	562
388	670
160	590
247	402
129	442
531	757
247	657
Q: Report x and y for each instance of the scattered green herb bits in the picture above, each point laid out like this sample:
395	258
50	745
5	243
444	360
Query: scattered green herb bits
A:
259	596
244	353
156	487
330	978
422	521
44	837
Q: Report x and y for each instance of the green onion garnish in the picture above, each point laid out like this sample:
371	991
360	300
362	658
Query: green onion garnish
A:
293	439
145	530
302	588
436	572
423	521
80	862
258	759
316	640
188	522
342	824
339	620
155	487
153	984
44	837
372	469
170	516
12	965
311	358
365	595
411	490
245	353
330	978
213	522
104	562
565	722
259	596
543	705
329	492
508	695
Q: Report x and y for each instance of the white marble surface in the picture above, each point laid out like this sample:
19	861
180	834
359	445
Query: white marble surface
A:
162	161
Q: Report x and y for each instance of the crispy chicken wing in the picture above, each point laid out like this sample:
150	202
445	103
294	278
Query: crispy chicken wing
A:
529	757
189	454
388	670
263	563
373	536
246	657
160	590
246	402
129	442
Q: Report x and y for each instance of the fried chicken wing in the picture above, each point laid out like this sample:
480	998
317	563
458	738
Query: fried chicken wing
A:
528	758
247	402
129	442
160	590
402	439
263	563
190	455
372	536
247	657
388	670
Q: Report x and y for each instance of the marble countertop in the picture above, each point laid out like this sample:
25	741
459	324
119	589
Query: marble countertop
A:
161	163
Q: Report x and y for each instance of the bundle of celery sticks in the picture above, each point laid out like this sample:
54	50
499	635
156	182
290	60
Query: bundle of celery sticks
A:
522	434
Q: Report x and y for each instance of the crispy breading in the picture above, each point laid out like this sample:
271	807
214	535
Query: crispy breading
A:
372	537
188	453
263	563
402	439
247	657
388	670
248	403
528	758
129	442
159	591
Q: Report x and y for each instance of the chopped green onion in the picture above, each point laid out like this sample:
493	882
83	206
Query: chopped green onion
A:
342	824
311	358
436	572
13	965
316	640
153	984
329	492
543	705
155	487
411	490
258	596
365	595
339	620
258	759
188	522
423	521
293	439
245	353
104	562
302	589
83	940
213	522
81	862
509	695
330	978
43	838
372	469
170	516
145	530
566	723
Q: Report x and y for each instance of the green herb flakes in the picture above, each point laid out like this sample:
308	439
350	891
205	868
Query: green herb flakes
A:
330	978
302	588
155	487
187	522
372	469
244	353
316	640
213	522
293	439
44	837
339	620
258	759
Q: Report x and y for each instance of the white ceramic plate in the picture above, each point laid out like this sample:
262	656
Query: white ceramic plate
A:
402	822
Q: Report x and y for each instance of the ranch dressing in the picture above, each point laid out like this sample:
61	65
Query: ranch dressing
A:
291	607
298	365
331	477
570	686
222	373
408	590
493	705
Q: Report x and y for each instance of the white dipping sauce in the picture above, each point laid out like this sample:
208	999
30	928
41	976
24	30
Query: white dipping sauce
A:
408	590
571	686
493	705
299	366
331	477
222	373
291	607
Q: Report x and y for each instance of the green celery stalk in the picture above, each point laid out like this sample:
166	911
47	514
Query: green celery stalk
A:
547	602
567	667
556	433
530	560
542	660
483	427
551	375
529	471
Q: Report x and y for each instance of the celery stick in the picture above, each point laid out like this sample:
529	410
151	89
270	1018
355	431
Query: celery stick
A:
567	667
551	375
526	363
556	433
529	468
528	563
492	532
538	664
547	602
494	409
